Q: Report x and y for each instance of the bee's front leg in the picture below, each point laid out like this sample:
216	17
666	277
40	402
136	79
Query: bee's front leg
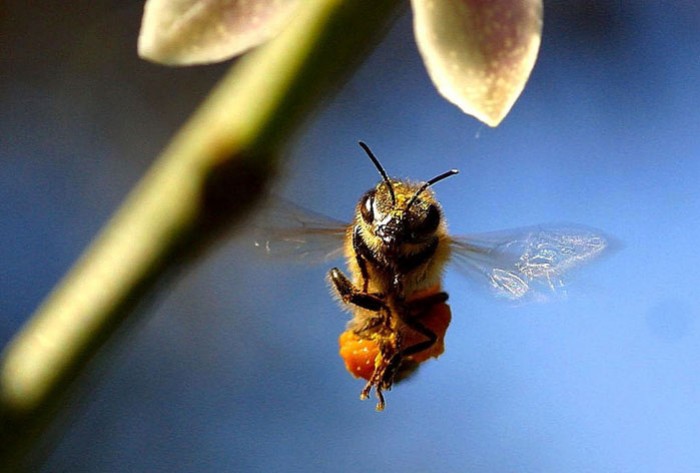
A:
350	294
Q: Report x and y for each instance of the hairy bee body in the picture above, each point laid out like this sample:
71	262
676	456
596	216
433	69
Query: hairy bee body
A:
396	250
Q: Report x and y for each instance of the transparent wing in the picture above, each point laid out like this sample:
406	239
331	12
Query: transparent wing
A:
527	261
286	230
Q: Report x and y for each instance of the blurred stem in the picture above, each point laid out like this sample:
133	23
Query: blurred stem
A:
210	175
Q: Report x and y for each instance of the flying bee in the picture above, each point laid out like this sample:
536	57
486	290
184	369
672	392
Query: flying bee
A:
396	249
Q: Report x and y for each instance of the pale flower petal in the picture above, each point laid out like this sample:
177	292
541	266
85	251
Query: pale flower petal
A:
181	32
479	53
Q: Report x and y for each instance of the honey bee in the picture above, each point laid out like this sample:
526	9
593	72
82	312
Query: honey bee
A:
396	249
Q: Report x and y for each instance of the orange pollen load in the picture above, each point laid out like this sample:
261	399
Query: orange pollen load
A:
361	355
358	353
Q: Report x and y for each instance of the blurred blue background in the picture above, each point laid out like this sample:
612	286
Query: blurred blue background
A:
236	368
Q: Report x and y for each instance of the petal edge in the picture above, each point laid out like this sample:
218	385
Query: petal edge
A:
185	32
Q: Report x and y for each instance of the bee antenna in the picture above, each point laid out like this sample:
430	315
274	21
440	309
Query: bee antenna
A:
381	170
432	181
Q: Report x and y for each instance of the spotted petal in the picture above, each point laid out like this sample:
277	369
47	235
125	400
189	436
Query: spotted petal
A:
182	32
479	53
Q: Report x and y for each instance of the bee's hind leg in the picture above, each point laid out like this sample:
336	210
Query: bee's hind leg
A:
417	309
373	302
376	382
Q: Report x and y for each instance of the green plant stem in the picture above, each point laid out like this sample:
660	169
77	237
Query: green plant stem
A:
208	178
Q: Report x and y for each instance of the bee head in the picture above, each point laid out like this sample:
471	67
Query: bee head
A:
397	213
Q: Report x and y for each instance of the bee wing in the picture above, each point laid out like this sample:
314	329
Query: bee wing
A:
287	230
527	261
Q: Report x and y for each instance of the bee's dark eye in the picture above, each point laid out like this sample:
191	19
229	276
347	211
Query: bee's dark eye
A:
367	207
430	223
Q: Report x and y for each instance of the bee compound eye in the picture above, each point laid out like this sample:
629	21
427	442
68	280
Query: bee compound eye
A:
367	207
430	222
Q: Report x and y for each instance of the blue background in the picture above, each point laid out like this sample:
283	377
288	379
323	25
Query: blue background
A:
236	367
